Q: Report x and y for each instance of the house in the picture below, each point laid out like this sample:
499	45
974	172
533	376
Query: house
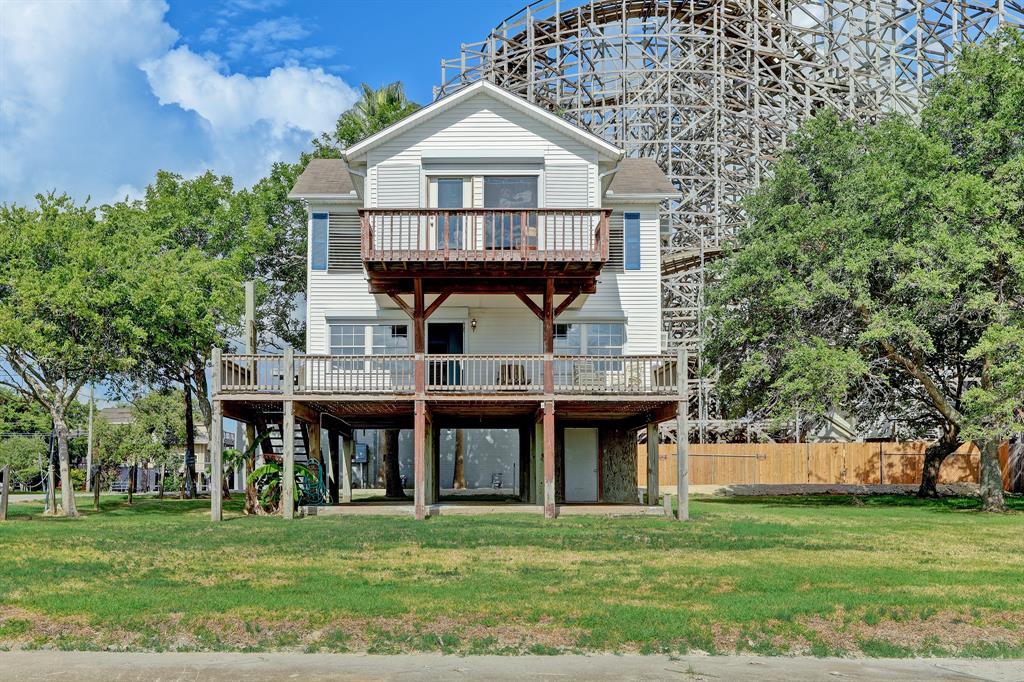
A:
480	265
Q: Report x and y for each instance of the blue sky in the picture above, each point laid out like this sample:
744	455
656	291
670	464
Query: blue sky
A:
97	95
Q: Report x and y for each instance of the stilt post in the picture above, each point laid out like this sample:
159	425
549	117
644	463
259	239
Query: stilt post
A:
217	445
550	510
420	459
347	445
653	485
683	434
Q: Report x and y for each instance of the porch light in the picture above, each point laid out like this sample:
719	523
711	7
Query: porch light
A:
472	324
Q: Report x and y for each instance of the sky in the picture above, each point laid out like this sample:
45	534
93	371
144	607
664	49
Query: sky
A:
97	95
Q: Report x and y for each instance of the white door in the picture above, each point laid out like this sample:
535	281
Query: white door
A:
581	465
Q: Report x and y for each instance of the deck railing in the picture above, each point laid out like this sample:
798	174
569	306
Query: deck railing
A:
482	235
626	375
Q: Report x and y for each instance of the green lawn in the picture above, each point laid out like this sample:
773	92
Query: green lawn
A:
820	575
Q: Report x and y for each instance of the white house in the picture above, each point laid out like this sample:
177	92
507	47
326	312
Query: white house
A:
484	265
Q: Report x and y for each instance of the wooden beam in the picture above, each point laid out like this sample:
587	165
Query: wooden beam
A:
534	308
549	338
419	468
216	448
441	298
549	460
401	304
305	413
288	455
566	302
683	436
653	484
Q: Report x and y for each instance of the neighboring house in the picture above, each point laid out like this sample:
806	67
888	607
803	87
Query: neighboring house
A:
147	476
483	265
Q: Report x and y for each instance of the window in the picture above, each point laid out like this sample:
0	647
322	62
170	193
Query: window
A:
347	339
318	242
505	230
588	338
631	241
449	195
383	339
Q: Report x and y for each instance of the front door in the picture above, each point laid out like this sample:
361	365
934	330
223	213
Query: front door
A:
445	338
581	465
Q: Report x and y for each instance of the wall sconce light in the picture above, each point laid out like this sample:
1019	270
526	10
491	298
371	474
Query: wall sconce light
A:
472	324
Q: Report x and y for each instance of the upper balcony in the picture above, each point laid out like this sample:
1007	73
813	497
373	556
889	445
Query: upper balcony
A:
520	244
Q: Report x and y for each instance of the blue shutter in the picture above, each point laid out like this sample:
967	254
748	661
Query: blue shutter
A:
318	251
631	241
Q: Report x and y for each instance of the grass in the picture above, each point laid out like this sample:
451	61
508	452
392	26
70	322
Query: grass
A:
878	576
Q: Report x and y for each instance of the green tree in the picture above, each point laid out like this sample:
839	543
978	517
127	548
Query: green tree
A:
20	415
376	110
191	299
161	414
882	271
24	455
65	312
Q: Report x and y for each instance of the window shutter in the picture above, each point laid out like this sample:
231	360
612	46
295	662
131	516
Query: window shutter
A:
631	240
345	237
614	243
318	246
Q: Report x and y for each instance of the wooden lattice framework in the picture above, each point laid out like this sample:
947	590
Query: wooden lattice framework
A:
711	89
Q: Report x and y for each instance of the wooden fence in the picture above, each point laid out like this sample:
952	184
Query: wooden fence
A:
795	463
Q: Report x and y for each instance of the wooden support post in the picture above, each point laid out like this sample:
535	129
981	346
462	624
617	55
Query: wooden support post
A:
217	461
335	466
549	336
419	338
315	450
525	454
347	446
216	445
653	484
435	461
419	438
683	435
667	497
537	468
288	455
550	511
5	490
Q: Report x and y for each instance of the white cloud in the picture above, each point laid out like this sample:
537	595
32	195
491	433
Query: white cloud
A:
288	98
97	96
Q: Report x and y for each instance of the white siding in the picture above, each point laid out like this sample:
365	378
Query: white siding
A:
483	124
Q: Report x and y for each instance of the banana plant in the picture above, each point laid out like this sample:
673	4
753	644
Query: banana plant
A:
267	481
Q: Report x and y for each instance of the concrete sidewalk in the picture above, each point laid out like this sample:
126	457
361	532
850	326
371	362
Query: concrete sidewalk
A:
166	667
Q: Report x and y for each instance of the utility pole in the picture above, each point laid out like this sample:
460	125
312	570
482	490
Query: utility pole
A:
88	444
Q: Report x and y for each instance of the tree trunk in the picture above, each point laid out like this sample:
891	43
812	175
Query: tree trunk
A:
131	483
934	456
64	458
190	440
160	490
991	478
252	502
459	475
389	455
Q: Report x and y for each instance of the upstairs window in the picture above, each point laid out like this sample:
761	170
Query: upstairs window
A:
319	242
631	241
505	230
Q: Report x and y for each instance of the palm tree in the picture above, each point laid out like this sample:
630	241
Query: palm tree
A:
376	110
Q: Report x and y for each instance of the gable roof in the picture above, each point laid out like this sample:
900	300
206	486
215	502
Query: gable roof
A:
326	178
359	150
640	177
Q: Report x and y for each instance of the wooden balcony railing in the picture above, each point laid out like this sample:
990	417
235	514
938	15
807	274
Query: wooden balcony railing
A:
536	235
625	375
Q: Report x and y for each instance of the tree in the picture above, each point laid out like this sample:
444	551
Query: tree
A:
882	272
23	454
20	415
161	415
191	300
65	312
376	110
